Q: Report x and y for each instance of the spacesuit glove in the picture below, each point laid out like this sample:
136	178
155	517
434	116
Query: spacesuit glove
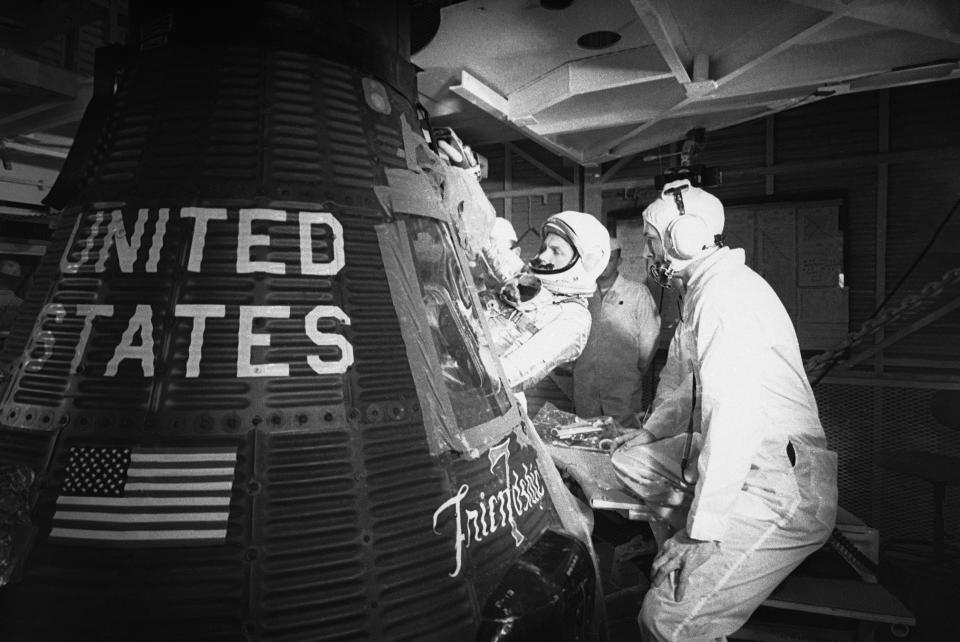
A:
456	152
453	155
510	291
679	557
520	288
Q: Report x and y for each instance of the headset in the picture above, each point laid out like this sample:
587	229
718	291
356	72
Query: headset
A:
687	235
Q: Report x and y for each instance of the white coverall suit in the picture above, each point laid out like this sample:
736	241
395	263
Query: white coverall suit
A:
766	484
608	375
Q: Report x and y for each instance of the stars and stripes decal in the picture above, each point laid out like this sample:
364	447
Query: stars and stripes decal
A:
145	496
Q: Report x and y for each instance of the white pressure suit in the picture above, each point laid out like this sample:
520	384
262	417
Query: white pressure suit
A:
608	375
765	483
534	336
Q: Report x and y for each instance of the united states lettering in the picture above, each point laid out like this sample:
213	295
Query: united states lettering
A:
145	496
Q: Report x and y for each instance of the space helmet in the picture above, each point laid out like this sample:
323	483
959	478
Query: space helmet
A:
591	249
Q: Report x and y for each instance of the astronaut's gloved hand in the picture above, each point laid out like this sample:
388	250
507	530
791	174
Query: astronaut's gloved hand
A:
520	288
452	149
510	291
457	153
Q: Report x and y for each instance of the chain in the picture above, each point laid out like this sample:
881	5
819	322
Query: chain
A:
930	291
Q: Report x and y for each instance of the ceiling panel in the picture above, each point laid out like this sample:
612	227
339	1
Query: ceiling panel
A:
500	70
682	63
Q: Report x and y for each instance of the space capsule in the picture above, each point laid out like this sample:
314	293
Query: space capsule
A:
248	397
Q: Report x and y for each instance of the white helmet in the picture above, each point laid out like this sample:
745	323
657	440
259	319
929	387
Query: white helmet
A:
689	222
591	246
688	219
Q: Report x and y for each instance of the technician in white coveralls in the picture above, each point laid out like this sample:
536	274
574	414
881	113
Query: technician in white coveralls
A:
753	486
608	375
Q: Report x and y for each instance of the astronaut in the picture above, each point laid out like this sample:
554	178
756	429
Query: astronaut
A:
540	318
756	485
537	313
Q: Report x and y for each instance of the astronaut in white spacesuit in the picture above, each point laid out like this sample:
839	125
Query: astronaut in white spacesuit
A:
537	313
540	319
753	485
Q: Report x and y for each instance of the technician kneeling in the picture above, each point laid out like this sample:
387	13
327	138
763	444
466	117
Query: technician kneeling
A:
760	484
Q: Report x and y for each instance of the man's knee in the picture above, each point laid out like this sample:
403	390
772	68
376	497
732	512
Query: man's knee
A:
664	620
646	634
650	620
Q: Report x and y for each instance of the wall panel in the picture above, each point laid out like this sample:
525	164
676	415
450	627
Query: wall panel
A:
839	126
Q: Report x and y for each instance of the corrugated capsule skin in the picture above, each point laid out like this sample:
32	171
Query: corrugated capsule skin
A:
212	382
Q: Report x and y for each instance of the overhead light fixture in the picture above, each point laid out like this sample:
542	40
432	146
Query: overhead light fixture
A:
598	39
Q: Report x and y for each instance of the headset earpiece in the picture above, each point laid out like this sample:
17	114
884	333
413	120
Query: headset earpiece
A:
689	220
687	236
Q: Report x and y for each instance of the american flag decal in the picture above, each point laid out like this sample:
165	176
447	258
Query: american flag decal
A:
145	496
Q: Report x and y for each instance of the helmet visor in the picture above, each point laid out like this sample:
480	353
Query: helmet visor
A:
564	231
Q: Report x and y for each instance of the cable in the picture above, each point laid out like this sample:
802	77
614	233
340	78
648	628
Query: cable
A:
653	373
688	442
926	249
906	275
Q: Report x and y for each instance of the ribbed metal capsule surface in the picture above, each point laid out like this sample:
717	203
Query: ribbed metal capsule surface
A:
215	292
